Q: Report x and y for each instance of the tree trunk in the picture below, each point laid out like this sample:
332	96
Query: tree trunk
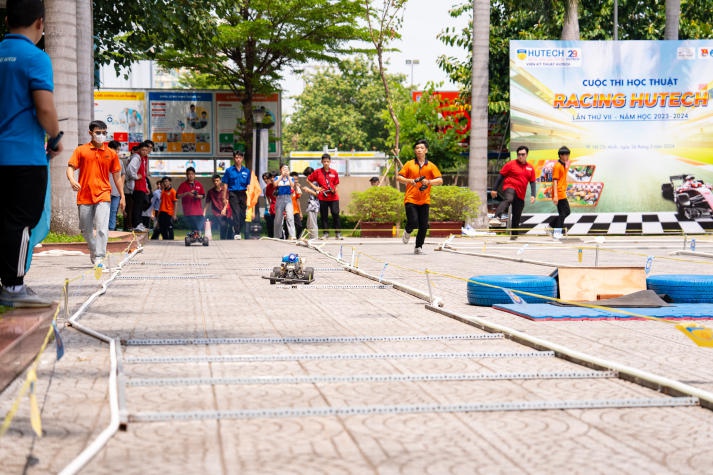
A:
61	44
570	29
478	162
673	17
85	66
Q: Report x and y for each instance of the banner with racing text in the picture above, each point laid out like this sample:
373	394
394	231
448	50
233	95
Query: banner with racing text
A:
636	115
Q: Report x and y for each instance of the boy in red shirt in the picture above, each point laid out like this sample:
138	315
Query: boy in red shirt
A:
167	210
95	163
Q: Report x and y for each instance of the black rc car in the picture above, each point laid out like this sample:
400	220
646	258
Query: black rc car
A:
291	271
196	236
693	198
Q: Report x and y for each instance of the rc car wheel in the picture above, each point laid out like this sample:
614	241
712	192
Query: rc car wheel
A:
309	274
682	288
187	241
205	241
273	277
487	296
667	191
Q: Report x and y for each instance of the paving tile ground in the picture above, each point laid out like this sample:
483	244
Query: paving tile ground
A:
174	293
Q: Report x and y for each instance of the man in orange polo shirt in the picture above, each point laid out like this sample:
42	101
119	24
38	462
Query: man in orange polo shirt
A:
419	175
95	162
559	190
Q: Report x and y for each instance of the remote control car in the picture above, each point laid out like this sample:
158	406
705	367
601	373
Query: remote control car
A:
291	271
196	236
693	198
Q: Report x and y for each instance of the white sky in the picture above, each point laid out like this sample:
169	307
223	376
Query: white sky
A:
423	20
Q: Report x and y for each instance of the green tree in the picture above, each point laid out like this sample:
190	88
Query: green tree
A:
245	44
344	107
424	119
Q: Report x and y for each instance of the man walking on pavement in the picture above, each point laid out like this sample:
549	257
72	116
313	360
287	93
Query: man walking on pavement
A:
559	191
95	162
514	176
419	175
237	179
28	114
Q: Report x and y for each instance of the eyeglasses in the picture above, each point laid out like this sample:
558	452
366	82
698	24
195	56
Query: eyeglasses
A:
100	133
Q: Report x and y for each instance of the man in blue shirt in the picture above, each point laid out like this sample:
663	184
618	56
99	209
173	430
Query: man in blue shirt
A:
237	179
26	95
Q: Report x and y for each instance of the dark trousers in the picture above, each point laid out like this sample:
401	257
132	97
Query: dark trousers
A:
326	207
562	213
417	218
225	225
165	224
22	201
140	199
517	206
195	223
128	210
239	204
270	224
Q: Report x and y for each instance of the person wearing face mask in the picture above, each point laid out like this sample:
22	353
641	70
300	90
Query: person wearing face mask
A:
95	162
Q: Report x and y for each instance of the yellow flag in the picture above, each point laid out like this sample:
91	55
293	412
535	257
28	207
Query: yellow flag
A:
35	420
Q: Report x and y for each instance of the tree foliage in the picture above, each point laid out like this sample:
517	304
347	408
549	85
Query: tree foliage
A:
344	107
424	119
247	45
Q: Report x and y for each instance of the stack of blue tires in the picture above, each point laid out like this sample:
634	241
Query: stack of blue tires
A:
486	296
683	288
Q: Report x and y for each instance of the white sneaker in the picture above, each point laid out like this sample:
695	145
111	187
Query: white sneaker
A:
339	236
406	236
495	222
140	228
24	298
325	236
418	250
237	237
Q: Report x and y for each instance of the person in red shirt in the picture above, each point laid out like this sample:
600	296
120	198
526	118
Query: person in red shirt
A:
514	176
167	210
95	162
419	175
327	181
191	193
217	200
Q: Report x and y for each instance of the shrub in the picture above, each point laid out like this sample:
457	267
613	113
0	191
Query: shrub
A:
381	204
453	203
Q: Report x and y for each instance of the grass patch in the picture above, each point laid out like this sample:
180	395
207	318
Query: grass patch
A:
53	238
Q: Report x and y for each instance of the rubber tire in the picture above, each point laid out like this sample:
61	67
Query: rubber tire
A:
187	241
272	278
487	296
667	191
309	274
205	241
683	288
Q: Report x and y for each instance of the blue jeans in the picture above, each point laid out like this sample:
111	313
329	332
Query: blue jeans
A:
114	208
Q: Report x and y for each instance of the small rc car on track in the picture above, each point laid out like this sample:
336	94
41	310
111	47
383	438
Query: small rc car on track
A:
291	271
693	198
196	236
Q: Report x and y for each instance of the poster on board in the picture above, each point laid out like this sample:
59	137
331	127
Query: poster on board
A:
230	122
124	113
181	122
635	114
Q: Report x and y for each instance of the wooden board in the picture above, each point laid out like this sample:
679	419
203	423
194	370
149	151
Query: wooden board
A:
596	283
